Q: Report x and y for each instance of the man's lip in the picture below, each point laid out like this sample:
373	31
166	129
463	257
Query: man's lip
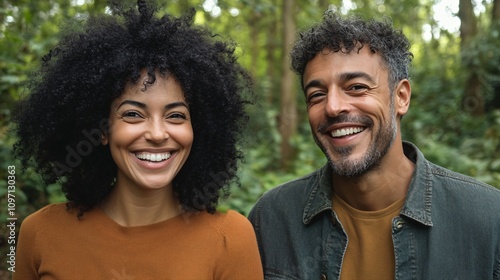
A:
342	121
345	125
338	126
346	131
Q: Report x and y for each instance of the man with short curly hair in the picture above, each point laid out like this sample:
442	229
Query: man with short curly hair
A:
378	209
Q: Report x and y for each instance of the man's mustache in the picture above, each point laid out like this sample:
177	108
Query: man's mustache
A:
344	118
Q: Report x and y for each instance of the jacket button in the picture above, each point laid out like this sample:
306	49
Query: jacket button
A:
323	276
399	224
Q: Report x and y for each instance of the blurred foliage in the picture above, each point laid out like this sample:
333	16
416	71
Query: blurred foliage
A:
436	122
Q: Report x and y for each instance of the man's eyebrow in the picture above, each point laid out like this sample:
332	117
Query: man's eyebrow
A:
343	77
313	83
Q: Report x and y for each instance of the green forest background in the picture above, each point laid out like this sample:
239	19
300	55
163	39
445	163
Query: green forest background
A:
455	110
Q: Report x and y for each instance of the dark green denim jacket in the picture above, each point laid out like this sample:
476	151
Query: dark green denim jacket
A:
448	228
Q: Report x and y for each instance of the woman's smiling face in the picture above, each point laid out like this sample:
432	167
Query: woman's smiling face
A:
150	134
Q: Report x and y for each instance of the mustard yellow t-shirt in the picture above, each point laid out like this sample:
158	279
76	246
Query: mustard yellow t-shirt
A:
370	251
55	244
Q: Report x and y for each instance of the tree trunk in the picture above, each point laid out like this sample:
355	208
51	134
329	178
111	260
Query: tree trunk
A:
271	60
468	25
495	23
473	101
288	110
255	48
496	11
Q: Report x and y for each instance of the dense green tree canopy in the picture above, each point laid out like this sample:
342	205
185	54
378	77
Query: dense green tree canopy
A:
443	121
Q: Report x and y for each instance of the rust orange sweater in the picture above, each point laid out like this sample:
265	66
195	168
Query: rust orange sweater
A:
55	244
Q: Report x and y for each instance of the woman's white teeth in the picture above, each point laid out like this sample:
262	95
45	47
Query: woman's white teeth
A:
153	157
346	131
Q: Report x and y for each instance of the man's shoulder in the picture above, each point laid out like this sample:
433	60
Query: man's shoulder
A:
454	181
447	182
463	194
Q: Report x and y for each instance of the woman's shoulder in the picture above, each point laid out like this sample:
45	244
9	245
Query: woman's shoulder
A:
233	225
226	223
218	219
51	214
233	219
236	251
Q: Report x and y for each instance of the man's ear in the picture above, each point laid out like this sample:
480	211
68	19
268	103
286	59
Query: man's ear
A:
402	95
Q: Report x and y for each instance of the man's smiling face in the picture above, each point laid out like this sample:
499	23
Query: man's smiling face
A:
351	110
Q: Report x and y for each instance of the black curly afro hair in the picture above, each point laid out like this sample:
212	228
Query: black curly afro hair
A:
60	123
351	34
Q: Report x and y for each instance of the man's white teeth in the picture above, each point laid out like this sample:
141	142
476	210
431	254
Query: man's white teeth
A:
346	131
153	157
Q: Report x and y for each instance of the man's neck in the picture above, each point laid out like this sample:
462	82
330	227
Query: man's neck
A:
380	187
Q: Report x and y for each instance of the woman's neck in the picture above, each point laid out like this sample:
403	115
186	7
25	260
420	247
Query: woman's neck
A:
139	207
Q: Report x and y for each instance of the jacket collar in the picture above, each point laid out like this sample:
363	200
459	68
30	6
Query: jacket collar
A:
418	200
321	194
419	197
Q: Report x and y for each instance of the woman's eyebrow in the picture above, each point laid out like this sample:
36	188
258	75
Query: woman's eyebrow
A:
133	103
143	106
175	104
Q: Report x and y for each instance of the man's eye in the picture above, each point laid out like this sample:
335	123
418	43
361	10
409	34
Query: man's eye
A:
314	96
357	87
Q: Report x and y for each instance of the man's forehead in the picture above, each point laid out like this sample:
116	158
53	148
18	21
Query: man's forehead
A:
363	58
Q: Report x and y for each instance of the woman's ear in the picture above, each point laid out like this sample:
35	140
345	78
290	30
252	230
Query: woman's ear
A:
402	96
104	139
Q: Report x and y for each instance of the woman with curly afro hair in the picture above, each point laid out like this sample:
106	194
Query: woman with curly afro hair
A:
138	117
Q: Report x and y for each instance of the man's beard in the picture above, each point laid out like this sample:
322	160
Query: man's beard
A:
370	161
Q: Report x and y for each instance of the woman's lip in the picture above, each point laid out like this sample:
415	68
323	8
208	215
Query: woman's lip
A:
152	151
155	157
153	164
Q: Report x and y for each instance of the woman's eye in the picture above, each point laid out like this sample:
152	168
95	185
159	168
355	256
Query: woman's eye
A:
131	114
177	117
